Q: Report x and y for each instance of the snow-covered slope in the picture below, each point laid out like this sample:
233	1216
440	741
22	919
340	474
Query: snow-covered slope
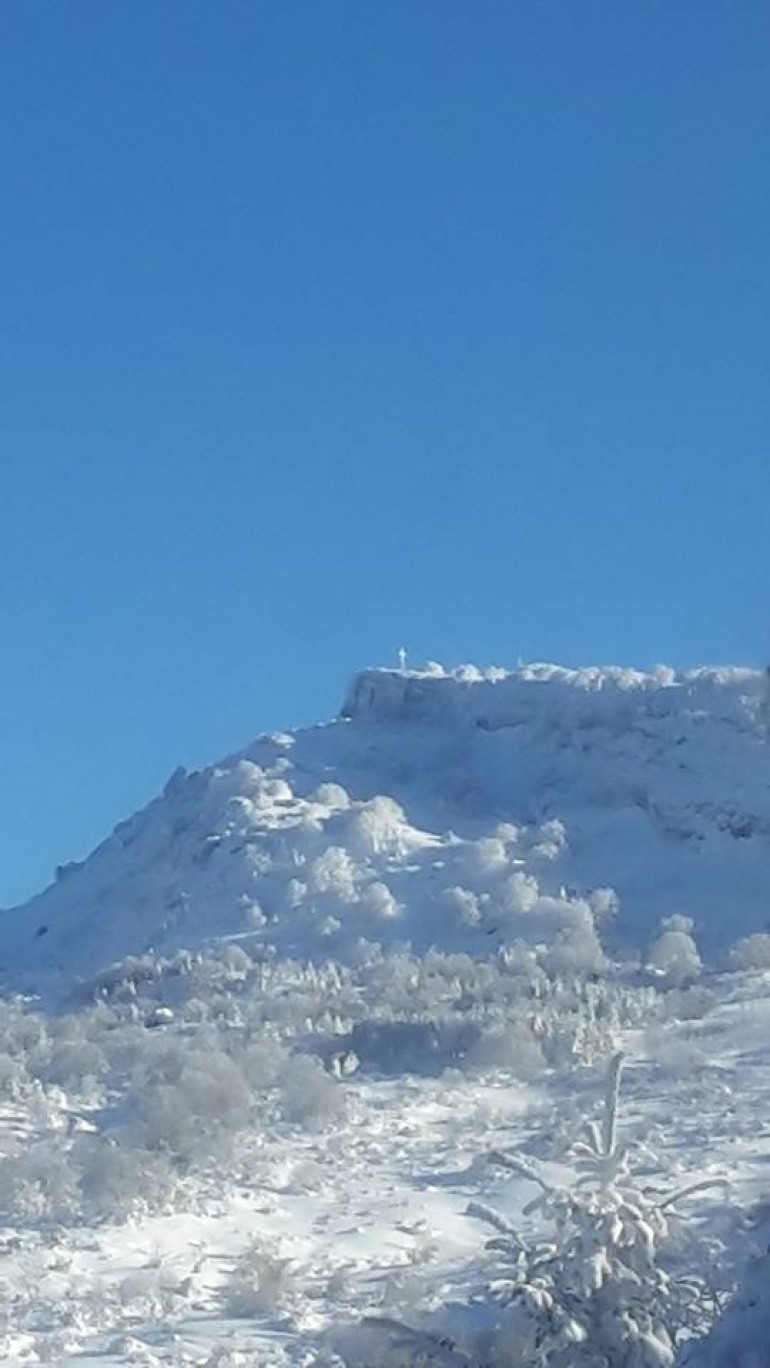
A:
434	811
298	1037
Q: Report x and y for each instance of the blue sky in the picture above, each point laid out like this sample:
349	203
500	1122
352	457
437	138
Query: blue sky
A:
331	326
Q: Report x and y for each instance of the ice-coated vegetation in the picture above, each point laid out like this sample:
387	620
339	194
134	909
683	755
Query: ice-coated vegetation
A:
316	1060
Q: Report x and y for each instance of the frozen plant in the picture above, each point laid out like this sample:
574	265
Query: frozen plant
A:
334	874
674	955
310	1097
378	827
752	953
260	1283
594	1291
378	900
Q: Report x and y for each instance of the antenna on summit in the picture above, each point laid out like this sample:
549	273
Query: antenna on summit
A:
401	658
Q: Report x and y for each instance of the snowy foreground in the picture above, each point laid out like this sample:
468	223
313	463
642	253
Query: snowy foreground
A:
437	1034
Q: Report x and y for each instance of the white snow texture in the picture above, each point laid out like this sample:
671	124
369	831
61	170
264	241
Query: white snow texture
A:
317	1058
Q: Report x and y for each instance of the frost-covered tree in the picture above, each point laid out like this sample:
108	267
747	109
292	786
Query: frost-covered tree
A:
593	1292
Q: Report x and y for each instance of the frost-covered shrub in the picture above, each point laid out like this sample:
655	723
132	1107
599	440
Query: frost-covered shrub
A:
673	1053
378	827
575	949
508	833
260	1284
153	1295
688	1004
512	1047
674	955
262	1062
246	781
72	1063
604	904
331	796
334	874
604	1282
594	1291
13	1076
751	953
116	1180
128	977
21	1030
295	894
277	791
223	971
237	961
254	917
310	1096
378	901
463	906
190	1101
551	840
564	926
467	674
485	860
519	894
39	1183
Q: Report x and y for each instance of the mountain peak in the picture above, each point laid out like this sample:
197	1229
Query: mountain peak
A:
465	809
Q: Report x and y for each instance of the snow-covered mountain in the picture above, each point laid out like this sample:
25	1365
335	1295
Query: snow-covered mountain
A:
362	1048
437	809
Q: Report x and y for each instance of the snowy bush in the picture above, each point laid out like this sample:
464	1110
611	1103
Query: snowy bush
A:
310	1097
377	827
254	918
39	1184
594	1289
751	953
262	1063
189	1100
463	906
511	1047
378	901
259	1284
485	859
331	796
674	955
519	894
688	1004
604	904
551	841
575	949
72	1063
334	874
116	1180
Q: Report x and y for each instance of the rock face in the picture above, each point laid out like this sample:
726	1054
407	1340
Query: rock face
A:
448	809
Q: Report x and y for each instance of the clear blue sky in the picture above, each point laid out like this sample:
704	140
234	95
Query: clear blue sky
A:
332	325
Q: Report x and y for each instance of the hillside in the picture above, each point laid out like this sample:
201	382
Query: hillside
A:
433	811
365	1047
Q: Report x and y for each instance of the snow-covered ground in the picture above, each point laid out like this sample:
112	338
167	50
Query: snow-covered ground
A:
301	1037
